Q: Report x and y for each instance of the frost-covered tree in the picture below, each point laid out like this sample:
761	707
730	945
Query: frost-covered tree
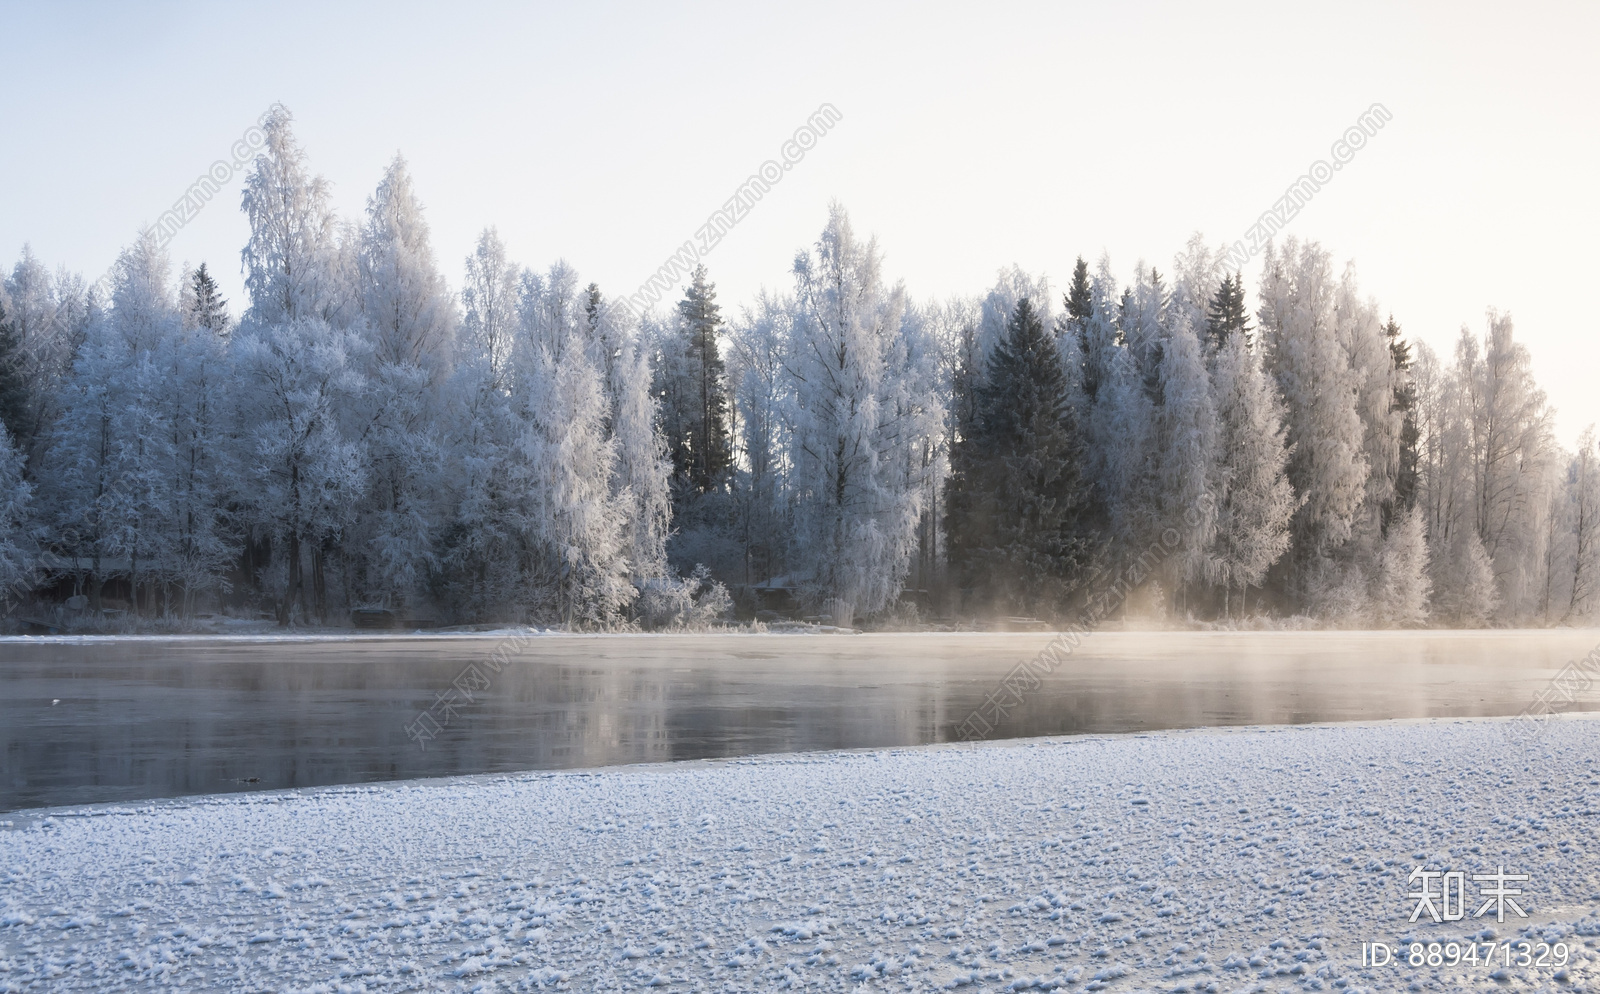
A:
1464	589
49	317
203	304
549	312
1124	429
200	539
856	511
1405	404
1188	421
403	297
108	476
1327	464
1377	384
479	570
1583	517
643	467
304	465
80	471
490	294
407	316
1401	582
18	551
563	461
761	391
292	261
1486	478
1511	448
1254	501
14	400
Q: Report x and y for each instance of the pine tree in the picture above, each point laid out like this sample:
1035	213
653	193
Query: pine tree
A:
1227	313
1014	495
702	454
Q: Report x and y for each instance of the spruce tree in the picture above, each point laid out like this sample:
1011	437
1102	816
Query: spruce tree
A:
591	307
1227	313
1405	401
208	308
13	384
1080	305
701	454
1014	493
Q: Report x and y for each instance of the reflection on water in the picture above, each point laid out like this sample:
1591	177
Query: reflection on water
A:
151	718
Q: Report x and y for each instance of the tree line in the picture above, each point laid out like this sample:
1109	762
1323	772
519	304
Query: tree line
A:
361	435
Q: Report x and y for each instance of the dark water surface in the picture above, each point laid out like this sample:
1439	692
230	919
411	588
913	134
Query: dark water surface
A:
152	718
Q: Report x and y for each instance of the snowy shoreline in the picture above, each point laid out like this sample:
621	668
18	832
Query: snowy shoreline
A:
1218	859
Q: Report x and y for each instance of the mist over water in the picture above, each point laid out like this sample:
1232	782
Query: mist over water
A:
144	719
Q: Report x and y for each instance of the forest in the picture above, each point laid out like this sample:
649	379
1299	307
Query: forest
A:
360	435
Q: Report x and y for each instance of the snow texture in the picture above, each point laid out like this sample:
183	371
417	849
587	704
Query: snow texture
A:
1249	860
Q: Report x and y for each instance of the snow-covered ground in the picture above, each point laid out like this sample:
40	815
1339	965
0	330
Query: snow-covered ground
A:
1219	860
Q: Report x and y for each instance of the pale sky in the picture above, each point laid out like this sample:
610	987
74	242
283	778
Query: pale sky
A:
974	137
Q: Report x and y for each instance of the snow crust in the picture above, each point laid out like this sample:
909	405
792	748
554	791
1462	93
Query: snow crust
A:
1214	860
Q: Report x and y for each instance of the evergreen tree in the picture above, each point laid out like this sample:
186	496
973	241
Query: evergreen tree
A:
1405	402
591	307
16	546
1227	313
1014	494
1080	305
1142	323
205	305
1078	299
701	453
14	405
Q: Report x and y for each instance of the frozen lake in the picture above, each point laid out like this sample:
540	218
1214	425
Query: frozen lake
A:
138	719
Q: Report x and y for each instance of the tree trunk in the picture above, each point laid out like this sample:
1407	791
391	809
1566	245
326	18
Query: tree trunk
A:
292	593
